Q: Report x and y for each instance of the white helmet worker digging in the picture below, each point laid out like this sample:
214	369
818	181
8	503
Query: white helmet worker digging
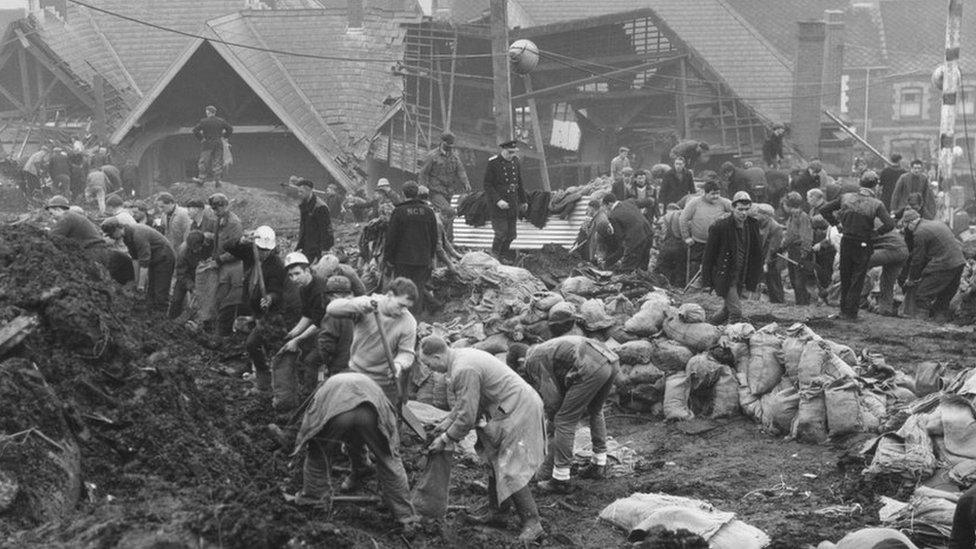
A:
265	238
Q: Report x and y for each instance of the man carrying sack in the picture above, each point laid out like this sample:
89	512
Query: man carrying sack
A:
508	416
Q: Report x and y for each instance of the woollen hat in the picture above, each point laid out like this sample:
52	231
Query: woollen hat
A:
741	196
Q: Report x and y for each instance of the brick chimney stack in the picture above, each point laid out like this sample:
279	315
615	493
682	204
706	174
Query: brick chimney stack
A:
808	87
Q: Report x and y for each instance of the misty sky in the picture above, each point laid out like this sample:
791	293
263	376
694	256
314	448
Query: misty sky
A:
6	4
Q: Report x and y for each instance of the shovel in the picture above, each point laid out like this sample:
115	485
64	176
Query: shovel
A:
412	421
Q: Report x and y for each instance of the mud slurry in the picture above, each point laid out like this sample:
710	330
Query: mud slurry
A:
173	449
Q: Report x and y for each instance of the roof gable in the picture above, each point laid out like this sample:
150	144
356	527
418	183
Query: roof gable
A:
332	96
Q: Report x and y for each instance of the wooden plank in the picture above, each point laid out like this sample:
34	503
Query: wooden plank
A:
101	126
13	99
46	91
681	101
24	76
540	145
82	96
501	74
596	78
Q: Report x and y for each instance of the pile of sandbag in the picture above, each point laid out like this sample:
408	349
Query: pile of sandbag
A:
639	514
503	289
935	436
927	516
796	383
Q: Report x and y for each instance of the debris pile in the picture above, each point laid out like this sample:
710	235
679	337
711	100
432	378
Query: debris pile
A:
97	403
931	442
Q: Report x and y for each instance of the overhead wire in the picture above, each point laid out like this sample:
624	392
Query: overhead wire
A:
218	40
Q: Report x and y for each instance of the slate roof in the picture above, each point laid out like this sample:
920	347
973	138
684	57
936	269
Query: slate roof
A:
776	19
332	103
84	49
756	71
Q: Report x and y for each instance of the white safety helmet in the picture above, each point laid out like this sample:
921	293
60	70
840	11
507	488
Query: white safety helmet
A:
295	258
264	238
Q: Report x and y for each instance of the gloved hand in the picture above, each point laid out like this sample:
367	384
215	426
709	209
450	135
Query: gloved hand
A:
502	205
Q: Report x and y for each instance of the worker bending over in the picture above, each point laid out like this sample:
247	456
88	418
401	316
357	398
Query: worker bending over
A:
350	408
507	413
574	375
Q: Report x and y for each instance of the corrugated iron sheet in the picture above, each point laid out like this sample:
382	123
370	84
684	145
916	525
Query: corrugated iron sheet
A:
557	231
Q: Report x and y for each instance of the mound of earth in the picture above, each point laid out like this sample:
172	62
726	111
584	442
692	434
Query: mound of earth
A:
109	408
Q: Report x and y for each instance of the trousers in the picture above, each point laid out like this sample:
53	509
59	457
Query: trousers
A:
211	162
294	376
585	396
419	274
357	427
442	204
774	280
800	275
937	289
854	257
160	279
891	263
505	233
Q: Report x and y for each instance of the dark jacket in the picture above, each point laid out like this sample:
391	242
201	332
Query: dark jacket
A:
273	270
147	245
646	204
855	213
674	187
503	181
630	229
740	181
77	227
934	249
909	184
887	180
411	236
804	182
212	128
718	262
315	228
334	341
474	208
59	165
538	212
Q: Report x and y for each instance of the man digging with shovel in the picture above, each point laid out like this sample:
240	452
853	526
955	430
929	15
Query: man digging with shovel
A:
383	341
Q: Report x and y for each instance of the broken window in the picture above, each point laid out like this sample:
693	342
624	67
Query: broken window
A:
566	132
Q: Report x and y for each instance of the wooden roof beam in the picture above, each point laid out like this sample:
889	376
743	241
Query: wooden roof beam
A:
597	78
65	79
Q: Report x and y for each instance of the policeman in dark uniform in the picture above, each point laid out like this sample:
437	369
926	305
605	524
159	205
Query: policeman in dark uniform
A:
505	196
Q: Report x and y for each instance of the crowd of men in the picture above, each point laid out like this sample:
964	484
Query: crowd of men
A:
335	361
805	225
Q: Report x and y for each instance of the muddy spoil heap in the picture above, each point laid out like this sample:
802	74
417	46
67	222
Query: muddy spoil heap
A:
113	423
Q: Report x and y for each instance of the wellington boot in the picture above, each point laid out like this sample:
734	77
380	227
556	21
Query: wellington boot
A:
488	516
531	532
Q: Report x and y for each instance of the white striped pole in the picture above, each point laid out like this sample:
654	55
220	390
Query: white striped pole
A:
950	93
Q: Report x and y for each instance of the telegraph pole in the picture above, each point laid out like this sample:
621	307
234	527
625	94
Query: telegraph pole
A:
950	93
502	106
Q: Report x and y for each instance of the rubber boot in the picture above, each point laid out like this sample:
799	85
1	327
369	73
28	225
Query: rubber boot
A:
532	530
